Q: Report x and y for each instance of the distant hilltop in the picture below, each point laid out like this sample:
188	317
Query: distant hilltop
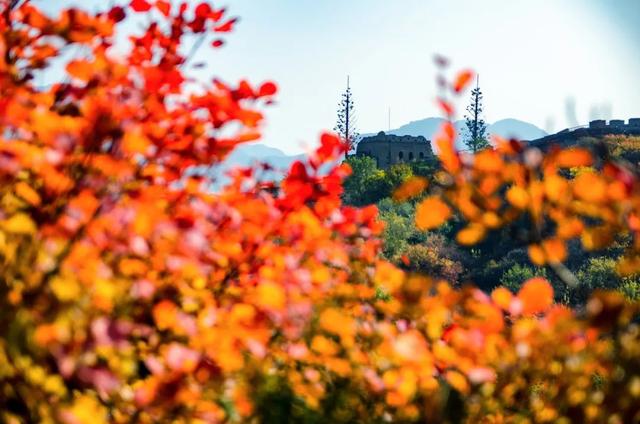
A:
506	128
598	128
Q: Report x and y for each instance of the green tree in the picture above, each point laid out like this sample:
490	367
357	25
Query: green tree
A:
398	173
476	129
346	121
600	273
397	231
518	274
364	170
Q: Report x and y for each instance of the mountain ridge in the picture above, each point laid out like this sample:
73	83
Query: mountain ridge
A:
249	154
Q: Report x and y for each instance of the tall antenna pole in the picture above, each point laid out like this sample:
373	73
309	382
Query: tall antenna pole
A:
389	120
347	107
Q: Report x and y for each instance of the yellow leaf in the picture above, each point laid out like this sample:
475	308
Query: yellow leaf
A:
65	289
457	381
19	223
432	213
87	410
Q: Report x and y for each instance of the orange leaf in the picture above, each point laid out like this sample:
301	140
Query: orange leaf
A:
164	7
25	191
590	187
536	254
80	69
447	153
471	234
270	296
555	250
556	188
518	197
502	297
432	213
462	80
574	157
457	381
536	295
165	314
134	142
569	228
410	188
488	160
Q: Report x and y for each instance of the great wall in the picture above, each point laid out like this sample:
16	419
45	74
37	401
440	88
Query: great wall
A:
387	149
596	129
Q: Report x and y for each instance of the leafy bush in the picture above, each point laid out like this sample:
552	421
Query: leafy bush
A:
130	293
517	274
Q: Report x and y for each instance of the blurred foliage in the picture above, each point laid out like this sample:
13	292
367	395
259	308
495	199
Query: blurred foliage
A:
517	274
132	294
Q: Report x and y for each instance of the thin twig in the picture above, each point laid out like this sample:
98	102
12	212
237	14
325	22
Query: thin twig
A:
564	274
194	48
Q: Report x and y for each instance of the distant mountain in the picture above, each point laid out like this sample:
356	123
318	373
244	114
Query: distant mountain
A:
513	128
250	154
507	128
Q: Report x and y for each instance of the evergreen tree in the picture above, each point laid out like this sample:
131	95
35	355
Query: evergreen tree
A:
476	131
346	122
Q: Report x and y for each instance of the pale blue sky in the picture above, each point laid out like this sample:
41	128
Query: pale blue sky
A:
532	55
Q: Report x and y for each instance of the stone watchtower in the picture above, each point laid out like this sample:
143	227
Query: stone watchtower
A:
389	149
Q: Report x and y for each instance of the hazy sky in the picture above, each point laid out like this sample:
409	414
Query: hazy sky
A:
535	57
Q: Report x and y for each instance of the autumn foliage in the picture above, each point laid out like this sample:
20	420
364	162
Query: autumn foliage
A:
132	293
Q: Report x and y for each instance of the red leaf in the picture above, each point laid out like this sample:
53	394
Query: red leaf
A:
329	143
217	43
117	14
462	80
446	107
140	5
203	10
227	26
216	15
267	89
